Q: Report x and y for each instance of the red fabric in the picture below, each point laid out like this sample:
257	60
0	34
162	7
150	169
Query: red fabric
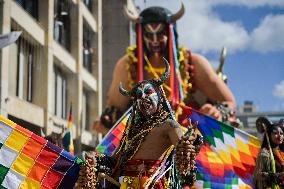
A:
47	157
52	179
183	117
172	71
23	130
39	139
133	167
140	53
150	166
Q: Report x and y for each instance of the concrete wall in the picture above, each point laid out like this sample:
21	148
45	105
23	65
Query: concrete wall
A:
115	39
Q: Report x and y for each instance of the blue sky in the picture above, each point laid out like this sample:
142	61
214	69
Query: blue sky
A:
252	32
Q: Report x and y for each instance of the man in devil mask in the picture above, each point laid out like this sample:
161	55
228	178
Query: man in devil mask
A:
153	152
193	82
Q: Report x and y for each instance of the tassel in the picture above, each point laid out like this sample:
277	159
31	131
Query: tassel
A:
178	78
140	73
172	67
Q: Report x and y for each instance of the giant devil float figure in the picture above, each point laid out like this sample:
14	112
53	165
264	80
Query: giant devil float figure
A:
153	152
193	82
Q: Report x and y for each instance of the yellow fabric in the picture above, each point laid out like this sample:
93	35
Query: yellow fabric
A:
16	140
30	184
8	122
276	187
128	182
23	164
242	146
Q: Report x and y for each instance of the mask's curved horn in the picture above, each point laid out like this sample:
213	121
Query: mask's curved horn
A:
179	14
165	75
129	14
123	91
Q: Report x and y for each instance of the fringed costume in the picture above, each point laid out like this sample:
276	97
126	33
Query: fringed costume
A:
175	167
269	167
263	176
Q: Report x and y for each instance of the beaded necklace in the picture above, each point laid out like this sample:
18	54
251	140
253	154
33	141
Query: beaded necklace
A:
137	131
154	71
185	65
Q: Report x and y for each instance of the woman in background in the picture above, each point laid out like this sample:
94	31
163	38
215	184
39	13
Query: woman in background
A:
269	170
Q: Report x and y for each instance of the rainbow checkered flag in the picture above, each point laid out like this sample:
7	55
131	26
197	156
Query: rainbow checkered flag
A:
111	141
68	137
30	161
227	159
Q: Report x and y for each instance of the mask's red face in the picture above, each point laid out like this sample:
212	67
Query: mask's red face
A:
147	99
155	37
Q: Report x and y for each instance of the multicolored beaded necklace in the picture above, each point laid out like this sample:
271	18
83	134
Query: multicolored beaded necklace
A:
185	66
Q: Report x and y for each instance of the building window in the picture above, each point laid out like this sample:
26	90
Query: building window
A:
247	109
62	22
31	6
85	111
26	57
88	4
88	50
60	93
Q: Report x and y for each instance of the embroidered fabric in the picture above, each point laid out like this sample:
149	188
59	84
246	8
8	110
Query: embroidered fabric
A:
139	167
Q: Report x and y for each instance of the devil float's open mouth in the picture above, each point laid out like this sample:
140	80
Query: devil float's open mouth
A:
156	48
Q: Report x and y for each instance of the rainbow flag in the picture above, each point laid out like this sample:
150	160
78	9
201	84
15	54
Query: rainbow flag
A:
228	158
68	137
213	173
30	161
111	141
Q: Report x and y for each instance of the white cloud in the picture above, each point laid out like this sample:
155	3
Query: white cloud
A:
268	36
202	30
248	3
279	90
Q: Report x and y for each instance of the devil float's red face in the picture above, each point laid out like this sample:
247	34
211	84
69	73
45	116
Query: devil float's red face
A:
155	37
